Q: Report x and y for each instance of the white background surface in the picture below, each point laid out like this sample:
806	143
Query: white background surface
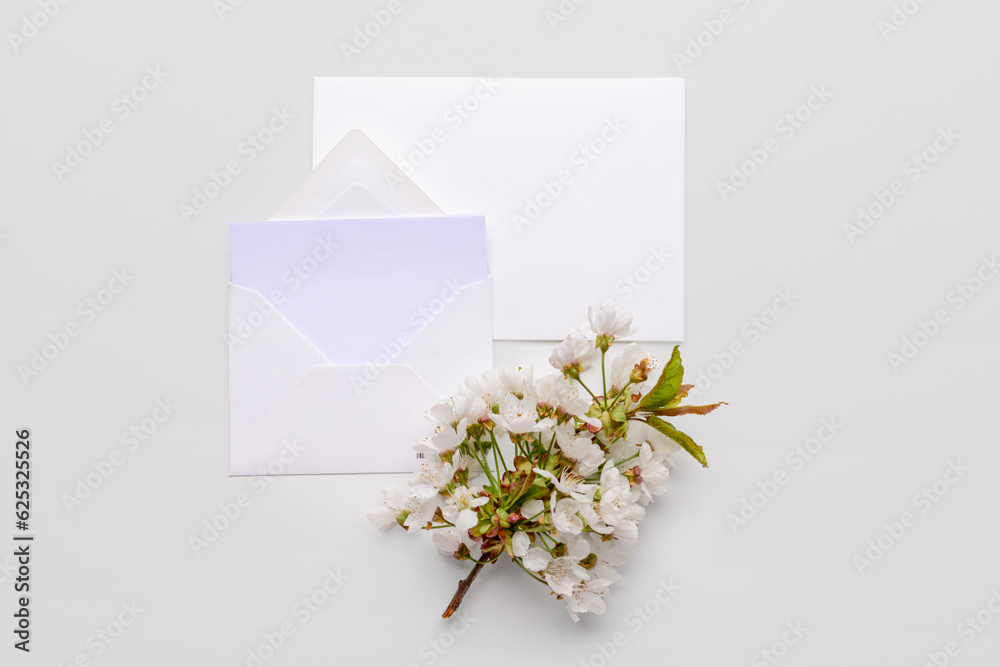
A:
826	357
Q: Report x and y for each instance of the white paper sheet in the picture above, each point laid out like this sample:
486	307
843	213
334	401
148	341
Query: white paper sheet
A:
581	181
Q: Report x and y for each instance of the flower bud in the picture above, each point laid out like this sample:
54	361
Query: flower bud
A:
638	374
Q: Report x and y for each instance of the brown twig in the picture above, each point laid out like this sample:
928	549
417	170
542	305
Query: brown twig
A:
463	588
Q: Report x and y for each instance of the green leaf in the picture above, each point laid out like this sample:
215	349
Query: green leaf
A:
667	386
682	439
681	395
687	410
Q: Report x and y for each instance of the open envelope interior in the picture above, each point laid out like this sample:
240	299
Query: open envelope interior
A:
340	325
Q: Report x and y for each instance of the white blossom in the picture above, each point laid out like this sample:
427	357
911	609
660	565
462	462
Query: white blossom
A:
586	455
518	380
616	505
587	597
435	473
445	440
640	432
607	321
520	415
651	474
487	387
570	484
531	508
419	506
632	356
520	543
574	350
463	499
562	574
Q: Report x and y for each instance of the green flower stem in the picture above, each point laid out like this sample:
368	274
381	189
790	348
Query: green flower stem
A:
486	468
548	452
496	448
479	562
446	524
617	397
604	379
634	456
587	389
533	575
496	459
545	542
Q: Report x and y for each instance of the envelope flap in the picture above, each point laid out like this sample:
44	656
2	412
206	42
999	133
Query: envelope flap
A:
267	357
356	201
328	437
455	324
355	160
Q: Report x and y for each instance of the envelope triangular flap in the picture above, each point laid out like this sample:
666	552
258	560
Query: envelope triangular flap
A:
371	437
267	358
356	201
354	161
452	322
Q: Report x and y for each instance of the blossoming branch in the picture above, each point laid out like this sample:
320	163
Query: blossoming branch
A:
550	471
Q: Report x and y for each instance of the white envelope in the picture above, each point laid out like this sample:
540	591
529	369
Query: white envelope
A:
343	333
581	181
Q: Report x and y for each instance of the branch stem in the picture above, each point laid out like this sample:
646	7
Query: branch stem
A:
463	588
